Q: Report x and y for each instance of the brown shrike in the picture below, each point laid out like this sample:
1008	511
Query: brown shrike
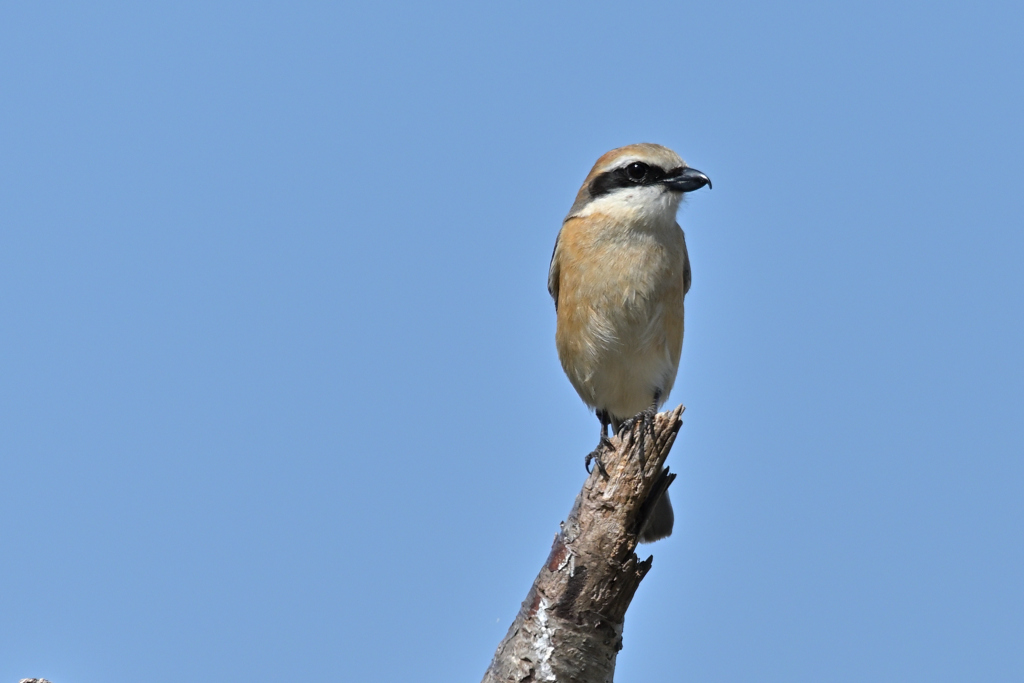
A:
618	276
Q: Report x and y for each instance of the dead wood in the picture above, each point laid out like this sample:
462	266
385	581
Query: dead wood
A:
569	628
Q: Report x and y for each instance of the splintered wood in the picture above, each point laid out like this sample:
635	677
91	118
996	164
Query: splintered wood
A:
569	628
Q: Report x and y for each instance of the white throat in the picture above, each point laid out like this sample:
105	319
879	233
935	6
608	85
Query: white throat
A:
650	205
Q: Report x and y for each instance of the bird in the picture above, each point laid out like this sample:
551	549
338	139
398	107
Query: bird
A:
619	273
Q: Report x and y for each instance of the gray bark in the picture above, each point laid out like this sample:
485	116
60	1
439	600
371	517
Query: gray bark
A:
569	628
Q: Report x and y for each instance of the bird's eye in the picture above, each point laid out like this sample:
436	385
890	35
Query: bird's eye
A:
637	171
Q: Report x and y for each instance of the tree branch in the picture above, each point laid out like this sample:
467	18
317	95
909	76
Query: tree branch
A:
570	625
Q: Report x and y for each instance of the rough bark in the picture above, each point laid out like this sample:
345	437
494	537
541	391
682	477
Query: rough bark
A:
569	628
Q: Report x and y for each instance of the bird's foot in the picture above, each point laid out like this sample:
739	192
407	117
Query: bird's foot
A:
645	419
603	446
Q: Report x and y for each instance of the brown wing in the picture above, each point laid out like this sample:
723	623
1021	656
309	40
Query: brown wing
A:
687	276
674	317
554	270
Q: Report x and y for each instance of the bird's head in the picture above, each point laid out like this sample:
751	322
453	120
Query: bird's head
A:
642	182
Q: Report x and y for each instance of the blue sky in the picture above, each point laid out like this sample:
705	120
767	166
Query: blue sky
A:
278	385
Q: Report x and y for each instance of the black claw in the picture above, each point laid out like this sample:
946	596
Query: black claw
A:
604	444
597	461
595	458
646	420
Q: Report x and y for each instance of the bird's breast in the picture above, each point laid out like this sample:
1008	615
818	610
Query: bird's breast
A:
620	313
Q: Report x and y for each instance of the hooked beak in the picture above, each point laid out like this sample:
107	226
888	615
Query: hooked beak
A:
685	179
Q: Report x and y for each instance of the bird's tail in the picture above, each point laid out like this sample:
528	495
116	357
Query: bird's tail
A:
659	523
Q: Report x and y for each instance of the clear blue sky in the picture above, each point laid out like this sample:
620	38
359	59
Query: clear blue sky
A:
278	388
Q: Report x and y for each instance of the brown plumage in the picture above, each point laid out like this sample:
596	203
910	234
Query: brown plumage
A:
619	274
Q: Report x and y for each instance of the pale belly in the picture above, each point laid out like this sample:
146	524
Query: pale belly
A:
620	312
621	351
